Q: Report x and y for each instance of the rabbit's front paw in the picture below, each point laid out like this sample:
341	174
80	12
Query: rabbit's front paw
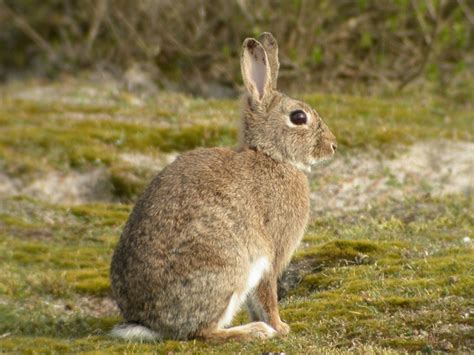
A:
282	328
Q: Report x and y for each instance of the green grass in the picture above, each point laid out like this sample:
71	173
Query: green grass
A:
394	277
38	136
402	282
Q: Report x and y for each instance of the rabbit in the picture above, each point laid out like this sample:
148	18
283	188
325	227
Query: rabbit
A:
214	229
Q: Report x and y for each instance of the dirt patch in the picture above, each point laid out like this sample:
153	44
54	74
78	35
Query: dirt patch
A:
143	161
8	186
74	187
71	188
94	306
446	166
38	234
350	183
104	95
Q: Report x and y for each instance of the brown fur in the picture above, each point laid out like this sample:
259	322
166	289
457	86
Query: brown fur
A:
193	234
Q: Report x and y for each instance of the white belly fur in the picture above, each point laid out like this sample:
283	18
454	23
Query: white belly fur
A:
257	269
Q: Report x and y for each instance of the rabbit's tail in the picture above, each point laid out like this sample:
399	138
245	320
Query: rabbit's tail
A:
135	332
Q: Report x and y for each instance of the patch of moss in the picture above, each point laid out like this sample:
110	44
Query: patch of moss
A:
74	258
341	252
42	322
14	221
412	289
101	214
127	182
89	281
74	143
35	136
46	283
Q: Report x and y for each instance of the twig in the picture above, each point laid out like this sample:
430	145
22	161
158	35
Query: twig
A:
132	30
467	11
421	23
99	13
429	39
29	31
5	335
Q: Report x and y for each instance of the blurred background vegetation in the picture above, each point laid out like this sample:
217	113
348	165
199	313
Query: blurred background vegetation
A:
192	45
98	96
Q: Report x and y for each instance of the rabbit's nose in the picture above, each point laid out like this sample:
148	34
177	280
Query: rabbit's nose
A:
334	147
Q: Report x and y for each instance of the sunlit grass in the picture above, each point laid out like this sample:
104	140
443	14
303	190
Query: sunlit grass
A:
391	277
400	283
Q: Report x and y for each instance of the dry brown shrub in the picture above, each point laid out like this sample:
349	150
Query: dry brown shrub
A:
195	42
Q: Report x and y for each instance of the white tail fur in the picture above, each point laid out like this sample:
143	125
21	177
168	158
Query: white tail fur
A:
134	332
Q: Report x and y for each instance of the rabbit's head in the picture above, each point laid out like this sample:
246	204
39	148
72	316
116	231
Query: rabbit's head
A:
283	128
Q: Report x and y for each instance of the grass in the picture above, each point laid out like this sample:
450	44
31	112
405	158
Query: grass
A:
403	283
39	136
394	277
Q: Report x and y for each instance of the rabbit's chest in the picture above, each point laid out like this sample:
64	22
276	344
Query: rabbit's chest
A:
286	216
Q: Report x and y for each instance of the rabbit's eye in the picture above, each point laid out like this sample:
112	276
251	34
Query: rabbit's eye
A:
298	117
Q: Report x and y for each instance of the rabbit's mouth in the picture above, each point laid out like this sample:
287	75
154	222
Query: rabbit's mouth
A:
318	161
323	152
306	167
321	160
301	166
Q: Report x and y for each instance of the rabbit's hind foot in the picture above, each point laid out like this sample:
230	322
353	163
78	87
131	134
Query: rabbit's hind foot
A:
254	330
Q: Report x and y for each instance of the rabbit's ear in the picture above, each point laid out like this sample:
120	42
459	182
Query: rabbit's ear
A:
255	69
271	47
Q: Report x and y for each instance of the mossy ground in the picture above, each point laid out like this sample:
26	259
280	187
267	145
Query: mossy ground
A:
75	133
389	278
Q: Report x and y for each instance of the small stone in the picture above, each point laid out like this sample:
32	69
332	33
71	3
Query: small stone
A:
445	345
423	333
453	279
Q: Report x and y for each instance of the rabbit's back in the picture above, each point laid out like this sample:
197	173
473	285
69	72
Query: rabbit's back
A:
195	231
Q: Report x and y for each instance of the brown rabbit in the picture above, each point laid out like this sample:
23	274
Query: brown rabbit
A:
216	228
